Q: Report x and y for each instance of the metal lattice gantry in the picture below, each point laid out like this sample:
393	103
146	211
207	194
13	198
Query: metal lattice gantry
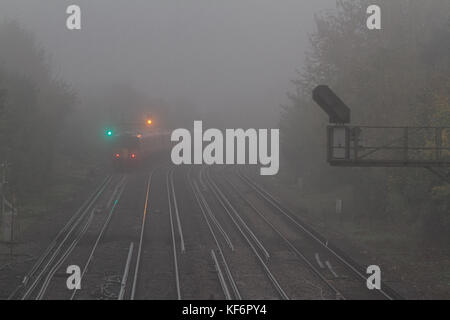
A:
369	146
381	146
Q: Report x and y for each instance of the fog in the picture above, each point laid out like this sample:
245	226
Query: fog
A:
230	58
98	134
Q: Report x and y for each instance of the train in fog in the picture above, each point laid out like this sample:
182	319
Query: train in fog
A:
130	150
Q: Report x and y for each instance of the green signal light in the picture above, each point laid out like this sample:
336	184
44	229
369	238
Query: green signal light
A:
109	133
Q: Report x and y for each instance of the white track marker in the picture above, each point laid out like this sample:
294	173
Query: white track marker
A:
318	261
123	283
331	269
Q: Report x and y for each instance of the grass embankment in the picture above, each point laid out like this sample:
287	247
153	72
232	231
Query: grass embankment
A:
69	180
418	268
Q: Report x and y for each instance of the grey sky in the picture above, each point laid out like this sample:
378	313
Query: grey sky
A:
221	54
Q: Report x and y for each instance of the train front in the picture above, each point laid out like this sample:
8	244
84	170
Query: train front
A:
126	151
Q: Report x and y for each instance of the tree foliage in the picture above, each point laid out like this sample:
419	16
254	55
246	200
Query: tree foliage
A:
395	76
35	104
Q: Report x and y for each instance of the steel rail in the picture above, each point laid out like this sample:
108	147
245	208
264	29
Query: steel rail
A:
223	284
54	242
141	238
66	253
72	227
175	204
324	244
230	277
123	283
225	202
197	194
175	259
59	263
100	235
214	220
269	274
288	243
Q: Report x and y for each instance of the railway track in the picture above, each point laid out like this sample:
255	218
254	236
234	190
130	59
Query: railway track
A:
173	210
141	239
340	273
121	286
105	225
160	257
271	231
221	265
254	243
145	263
36	282
108	266
218	232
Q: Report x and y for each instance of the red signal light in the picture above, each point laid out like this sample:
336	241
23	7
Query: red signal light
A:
133	156
117	155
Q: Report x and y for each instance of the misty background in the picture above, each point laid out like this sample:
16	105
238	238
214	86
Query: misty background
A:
232	64
229	63
235	63
231	58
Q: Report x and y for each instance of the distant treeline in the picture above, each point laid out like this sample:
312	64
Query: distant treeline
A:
33	107
53	137
399	75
